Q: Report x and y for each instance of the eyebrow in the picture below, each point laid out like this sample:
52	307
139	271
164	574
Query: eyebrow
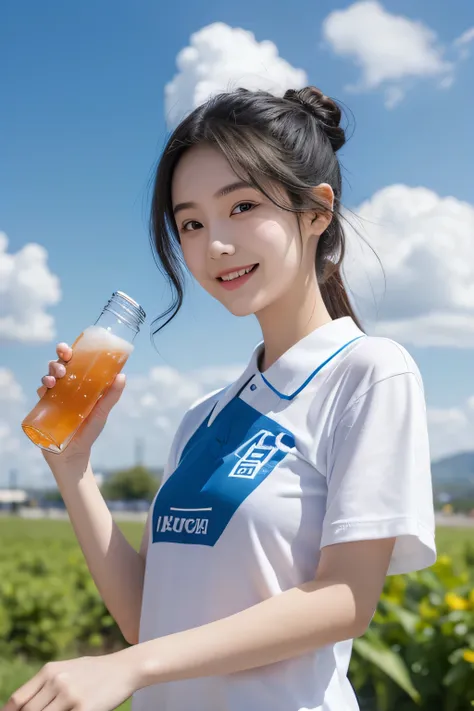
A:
220	193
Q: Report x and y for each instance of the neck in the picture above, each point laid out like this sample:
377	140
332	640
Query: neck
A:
285	322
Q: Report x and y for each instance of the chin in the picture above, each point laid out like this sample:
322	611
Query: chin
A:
239	309
242	314
244	307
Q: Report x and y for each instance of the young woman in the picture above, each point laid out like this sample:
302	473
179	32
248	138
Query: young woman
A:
288	496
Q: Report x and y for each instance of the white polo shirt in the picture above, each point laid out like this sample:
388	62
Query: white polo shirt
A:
329	445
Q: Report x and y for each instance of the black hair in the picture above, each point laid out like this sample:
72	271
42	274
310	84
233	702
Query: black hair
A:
290	141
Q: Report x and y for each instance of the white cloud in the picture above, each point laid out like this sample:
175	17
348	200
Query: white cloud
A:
462	42
10	443
11	391
27	289
221	58
466	38
390	50
451	429
393	96
16	452
425	294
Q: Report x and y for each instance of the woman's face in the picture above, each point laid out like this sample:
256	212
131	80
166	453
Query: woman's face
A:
239	246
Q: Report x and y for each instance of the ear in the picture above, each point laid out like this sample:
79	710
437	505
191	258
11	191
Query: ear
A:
320	219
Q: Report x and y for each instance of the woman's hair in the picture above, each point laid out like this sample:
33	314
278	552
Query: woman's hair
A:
269	141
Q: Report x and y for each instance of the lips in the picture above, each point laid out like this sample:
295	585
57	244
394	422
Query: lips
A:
230	274
237	277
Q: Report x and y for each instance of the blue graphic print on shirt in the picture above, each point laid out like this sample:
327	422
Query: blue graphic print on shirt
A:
220	466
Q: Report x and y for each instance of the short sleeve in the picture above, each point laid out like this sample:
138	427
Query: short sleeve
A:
379	474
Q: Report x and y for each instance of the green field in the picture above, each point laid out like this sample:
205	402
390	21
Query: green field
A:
452	541
14	673
56	536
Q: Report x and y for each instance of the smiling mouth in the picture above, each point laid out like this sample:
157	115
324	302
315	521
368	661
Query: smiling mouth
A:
236	279
235	276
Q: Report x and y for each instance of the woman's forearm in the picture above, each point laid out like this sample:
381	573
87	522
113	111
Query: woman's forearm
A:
337	605
297	621
117	568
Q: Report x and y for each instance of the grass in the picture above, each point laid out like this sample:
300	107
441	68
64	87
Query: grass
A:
454	542
15	528
450	541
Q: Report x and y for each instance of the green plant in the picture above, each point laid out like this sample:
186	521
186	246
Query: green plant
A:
419	650
49	606
131	484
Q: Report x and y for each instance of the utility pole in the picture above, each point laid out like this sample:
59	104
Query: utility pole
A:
139	451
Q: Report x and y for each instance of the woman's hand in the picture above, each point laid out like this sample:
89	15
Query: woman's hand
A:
84	684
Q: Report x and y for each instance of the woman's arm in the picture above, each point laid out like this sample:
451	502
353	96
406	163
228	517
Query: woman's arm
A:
337	605
116	567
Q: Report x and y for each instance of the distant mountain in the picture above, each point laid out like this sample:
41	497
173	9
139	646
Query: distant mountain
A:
454	475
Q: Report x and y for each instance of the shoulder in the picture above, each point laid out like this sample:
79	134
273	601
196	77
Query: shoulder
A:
375	366
375	359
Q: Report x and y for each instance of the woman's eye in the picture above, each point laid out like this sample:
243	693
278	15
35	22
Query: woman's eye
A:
191	226
243	207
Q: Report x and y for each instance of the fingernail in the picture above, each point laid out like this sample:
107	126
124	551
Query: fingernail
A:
61	370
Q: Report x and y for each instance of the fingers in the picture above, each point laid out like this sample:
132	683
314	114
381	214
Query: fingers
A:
48	381
56	368
28	693
40	700
64	352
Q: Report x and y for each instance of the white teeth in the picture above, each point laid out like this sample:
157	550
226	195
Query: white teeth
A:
234	275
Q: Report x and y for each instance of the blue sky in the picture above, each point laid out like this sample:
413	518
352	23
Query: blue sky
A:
83	124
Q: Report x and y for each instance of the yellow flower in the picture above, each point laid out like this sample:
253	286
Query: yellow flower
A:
468	656
427	612
455	602
394	599
444	560
471	598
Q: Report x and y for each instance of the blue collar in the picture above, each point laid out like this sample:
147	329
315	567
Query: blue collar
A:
297	367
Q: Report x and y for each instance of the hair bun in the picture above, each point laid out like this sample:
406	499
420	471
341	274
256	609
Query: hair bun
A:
324	110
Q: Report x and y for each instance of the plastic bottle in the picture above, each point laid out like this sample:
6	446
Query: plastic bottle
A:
99	354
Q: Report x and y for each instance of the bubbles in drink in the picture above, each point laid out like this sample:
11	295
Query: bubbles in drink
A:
96	338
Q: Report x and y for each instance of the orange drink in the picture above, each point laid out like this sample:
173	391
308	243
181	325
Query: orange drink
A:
98	355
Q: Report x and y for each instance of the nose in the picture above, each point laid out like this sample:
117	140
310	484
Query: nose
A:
217	248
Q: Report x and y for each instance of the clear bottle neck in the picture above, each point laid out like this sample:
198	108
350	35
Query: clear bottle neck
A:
122	316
